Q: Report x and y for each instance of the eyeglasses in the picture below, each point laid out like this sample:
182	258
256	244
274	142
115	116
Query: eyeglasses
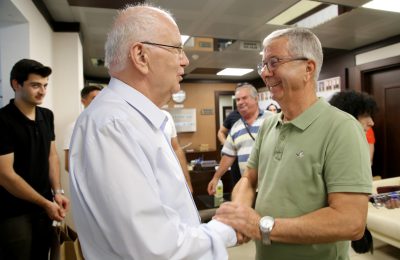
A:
163	46
273	63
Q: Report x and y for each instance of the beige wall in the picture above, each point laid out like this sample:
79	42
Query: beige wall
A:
201	96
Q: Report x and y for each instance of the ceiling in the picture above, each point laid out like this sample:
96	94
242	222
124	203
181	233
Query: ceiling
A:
238	20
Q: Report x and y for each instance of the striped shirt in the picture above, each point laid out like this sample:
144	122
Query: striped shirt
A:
239	142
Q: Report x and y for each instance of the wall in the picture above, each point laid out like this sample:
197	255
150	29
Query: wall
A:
200	96
15	38
67	83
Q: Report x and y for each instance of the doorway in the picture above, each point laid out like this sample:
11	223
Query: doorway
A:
382	80
222	101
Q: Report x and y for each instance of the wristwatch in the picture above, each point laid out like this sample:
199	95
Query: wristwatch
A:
266	224
58	191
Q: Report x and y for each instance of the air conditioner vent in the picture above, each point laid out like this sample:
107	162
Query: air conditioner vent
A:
250	46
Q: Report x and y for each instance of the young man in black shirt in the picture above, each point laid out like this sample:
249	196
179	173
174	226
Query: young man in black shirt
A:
30	190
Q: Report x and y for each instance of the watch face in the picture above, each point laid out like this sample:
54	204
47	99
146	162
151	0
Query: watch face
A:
266	223
179	97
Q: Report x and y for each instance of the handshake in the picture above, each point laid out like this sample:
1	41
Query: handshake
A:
243	219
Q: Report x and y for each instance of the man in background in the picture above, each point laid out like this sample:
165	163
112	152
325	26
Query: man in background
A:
310	163
29	167
88	93
129	195
241	137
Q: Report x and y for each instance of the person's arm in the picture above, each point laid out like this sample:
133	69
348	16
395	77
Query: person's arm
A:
222	133
244	191
343	219
66	160
19	188
182	160
224	164
371	151
54	176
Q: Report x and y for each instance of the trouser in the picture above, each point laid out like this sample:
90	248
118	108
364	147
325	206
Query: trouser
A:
25	237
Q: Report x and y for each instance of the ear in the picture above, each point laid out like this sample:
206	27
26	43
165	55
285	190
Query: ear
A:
139	57
310	69
15	85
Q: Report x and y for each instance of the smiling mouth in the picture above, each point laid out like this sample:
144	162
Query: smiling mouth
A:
273	84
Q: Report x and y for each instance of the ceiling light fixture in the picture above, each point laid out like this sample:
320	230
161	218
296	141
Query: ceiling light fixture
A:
234	72
384	5
293	12
307	14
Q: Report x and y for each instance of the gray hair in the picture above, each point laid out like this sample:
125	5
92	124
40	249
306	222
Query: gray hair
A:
133	27
253	90
301	43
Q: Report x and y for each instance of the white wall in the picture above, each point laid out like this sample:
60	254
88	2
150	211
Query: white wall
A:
15	38
67	83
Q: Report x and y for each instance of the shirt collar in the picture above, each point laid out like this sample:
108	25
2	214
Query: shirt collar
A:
306	118
139	102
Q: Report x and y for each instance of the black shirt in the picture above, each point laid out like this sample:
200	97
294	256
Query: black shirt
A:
30	142
231	119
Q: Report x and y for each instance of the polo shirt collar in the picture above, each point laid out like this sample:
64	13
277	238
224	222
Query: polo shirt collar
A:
306	118
139	102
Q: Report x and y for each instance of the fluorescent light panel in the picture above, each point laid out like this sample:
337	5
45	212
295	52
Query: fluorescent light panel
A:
293	12
384	5
234	72
319	17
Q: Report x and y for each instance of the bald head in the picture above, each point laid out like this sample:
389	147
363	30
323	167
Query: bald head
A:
132	24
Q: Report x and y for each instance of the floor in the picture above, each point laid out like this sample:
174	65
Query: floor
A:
382	251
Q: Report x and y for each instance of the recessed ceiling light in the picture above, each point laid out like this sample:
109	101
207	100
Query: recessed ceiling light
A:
234	72
384	5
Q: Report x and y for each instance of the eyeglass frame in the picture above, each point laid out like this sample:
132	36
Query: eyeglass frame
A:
280	61
179	48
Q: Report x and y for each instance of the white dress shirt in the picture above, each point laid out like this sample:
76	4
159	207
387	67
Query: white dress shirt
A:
169	129
128	192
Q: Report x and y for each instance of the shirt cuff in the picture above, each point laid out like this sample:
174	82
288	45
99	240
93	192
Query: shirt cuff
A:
226	232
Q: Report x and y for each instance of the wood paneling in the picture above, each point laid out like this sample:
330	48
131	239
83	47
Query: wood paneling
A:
201	96
382	80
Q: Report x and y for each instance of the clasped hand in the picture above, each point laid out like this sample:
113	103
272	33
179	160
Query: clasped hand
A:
243	219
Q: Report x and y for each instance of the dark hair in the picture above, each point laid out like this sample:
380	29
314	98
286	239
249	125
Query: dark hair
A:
354	103
87	89
21	70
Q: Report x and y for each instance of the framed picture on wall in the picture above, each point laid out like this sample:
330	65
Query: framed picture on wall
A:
226	111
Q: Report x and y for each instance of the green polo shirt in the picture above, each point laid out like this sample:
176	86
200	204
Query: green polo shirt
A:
321	151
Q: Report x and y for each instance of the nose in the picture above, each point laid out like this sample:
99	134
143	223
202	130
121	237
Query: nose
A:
184	59
371	122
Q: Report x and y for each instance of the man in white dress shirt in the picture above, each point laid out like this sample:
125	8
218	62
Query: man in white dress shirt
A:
128	191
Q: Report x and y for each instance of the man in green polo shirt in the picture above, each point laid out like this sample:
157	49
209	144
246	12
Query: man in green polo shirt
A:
310	163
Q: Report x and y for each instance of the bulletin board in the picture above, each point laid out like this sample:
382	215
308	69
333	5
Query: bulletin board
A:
184	118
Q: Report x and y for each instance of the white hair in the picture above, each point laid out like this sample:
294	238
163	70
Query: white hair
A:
130	27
